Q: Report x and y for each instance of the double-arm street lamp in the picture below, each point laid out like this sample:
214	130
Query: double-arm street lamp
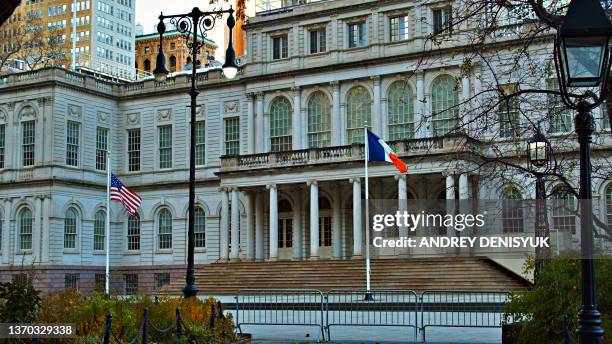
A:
194	25
582	61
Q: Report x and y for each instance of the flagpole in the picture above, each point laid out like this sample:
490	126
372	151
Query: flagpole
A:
368	295
108	184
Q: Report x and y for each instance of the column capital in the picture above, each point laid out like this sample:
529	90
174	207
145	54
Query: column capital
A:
312	182
271	186
251	96
376	80
223	188
334	83
233	189
259	95
296	90
419	74
448	173
354	180
400	176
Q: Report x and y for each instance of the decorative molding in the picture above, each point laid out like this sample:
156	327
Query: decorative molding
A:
3	115
27	113
103	117
133	118
74	111
231	106
165	115
199	110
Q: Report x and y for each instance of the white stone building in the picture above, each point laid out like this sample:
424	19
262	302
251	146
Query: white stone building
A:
279	165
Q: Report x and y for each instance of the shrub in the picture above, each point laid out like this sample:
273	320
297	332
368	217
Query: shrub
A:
542	310
19	301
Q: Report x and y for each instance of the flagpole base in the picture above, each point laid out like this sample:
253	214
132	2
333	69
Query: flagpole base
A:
368	296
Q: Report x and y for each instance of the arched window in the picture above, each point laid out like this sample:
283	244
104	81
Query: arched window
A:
133	233
173	61
200	228
25	229
358	111
512	212
280	125
563	212
401	111
285	224
147	66
70	228
444	101
319	120
99	230
164	229
609	205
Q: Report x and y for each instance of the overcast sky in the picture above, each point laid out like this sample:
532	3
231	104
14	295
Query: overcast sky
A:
147	12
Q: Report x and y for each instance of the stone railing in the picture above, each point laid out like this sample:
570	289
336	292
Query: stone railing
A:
355	152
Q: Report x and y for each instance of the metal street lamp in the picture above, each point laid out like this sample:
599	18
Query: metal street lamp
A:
582	60
540	152
194	24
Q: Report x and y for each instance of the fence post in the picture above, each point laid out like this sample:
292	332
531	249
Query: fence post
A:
220	310
145	323
211	321
179	323
107	328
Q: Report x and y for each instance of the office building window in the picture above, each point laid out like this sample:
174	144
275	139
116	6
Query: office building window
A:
133	233
161	279
512	210
280	125
100	282
559	116
25	229
164	229
318	40
71	281
131	284
357	35
401	111
200	228
564	211
28	135
358	111
99	230
442	19
398	28
165	146
70	229
72	143
444	105
319	120
200	143
280	47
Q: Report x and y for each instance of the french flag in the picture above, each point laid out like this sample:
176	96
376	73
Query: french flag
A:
379	150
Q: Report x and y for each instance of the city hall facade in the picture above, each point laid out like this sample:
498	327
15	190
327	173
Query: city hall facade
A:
279	150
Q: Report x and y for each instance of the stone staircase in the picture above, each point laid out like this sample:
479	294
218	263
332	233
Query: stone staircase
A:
225	278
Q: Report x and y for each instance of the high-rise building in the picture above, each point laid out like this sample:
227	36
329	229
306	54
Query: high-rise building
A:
95	34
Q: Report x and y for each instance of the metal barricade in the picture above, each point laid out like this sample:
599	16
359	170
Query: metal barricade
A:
461	308
384	308
303	307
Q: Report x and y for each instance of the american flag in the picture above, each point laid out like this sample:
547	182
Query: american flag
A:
119	192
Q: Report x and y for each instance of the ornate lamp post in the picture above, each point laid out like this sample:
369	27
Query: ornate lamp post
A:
582	60
193	25
539	152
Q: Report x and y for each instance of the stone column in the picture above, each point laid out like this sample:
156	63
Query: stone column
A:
46	228
259	227
260	123
250	226
297	225
314	219
337	223
235	225
224	230
250	124
336	126
296	129
464	190
402	196
420	119
376	116
450	200
37	229
273	222
7	233
357	230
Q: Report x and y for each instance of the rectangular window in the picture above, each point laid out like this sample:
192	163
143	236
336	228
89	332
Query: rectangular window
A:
509	120
162	279
165	146
100	282
2	144
232	136
318	41
101	148
280	47
559	117
357	35
133	234
72	143
71	281
28	143
131	284
398	27
442	19
133	146
200	143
